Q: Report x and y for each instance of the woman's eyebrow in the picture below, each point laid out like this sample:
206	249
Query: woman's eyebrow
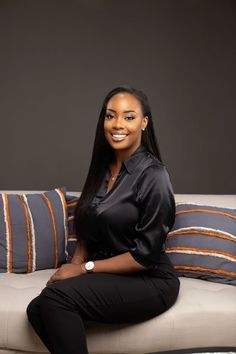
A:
128	111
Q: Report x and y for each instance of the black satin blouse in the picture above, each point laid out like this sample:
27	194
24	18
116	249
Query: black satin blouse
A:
135	215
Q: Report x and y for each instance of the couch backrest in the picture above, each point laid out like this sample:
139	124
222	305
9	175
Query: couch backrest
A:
220	200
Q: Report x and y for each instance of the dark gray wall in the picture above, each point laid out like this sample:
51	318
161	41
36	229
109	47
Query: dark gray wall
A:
58	59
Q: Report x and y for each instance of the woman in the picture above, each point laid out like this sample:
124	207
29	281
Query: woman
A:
119	272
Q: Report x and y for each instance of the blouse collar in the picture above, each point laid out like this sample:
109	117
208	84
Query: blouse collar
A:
132	161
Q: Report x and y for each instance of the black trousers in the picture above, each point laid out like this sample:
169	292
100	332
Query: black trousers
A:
59	312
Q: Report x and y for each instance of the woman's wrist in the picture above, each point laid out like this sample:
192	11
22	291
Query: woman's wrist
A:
80	265
77	260
83	270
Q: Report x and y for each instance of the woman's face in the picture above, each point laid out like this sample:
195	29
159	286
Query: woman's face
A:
124	122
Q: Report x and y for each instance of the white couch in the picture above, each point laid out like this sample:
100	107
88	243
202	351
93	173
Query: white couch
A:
204	315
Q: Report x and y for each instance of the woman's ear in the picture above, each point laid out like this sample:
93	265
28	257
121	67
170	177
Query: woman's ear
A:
145	122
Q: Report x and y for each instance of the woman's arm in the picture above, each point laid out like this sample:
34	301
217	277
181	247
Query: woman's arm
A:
75	267
81	253
121	264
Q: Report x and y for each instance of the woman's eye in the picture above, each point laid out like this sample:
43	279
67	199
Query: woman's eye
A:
129	118
108	116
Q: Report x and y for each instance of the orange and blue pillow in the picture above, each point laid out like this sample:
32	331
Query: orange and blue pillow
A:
33	231
202	243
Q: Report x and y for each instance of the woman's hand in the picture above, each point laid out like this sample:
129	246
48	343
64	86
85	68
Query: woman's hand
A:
67	271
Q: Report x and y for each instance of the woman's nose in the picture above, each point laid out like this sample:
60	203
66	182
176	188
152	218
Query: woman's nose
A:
117	123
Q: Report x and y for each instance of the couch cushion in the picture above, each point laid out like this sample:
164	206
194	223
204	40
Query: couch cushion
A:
202	243
33	228
193	321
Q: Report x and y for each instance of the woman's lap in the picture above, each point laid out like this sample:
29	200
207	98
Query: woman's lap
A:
116	298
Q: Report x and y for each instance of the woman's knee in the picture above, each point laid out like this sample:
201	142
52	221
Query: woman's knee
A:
54	297
32	309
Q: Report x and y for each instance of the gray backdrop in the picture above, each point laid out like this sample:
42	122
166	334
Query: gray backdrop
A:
58	59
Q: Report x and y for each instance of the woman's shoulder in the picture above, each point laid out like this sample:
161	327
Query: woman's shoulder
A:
153	171
152	163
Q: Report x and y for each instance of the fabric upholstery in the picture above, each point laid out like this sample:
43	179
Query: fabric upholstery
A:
33	228
193	321
71	202
202	243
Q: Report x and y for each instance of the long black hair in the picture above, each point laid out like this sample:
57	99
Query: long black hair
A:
103	153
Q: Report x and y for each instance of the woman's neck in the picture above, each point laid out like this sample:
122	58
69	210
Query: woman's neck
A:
122	155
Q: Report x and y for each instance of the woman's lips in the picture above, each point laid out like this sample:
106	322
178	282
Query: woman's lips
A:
118	137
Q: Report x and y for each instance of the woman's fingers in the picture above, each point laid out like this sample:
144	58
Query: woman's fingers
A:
53	278
66	271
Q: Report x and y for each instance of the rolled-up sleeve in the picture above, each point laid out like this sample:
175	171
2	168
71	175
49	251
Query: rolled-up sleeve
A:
156	214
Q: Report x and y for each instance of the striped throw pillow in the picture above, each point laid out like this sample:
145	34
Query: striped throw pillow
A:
33	231
72	203
202	243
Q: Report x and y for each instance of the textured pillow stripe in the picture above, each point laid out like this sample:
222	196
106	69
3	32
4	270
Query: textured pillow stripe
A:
54	229
29	237
203	231
32	230
202	252
65	217
205	270
202	243
71	217
8	231
71	220
72	203
206	211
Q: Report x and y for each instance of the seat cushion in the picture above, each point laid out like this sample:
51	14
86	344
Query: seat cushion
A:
204	315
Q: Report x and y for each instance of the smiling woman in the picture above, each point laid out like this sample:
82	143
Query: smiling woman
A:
124	122
123	125
120	271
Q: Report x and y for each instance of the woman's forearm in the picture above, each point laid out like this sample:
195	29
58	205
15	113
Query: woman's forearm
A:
81	253
121	264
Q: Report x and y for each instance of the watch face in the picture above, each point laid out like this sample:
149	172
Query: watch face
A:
89	266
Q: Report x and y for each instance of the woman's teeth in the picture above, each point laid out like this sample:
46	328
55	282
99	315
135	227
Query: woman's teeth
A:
119	137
